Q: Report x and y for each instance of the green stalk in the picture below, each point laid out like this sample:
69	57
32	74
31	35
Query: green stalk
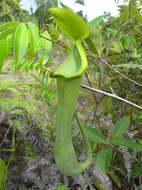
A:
69	76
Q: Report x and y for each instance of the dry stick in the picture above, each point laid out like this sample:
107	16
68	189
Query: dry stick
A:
56	42
123	25
112	95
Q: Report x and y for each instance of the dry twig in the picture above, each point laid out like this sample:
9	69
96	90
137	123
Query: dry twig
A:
112	95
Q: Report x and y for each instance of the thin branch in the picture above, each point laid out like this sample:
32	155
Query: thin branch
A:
56	42
111	95
48	39
115	70
131	80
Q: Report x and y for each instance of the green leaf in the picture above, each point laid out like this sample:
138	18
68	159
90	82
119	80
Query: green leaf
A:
7	25
3	174
95	41
127	142
62	187
103	159
8	45
94	135
2	52
105	105
8	31
116	47
54	33
20	42
34	38
120	127
96	21
73	26
45	47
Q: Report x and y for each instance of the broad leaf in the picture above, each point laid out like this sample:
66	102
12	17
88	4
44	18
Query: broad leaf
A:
116	47
103	159
96	21
94	135
8	45
5	26
95	41
20	42
45	48
127	142
73	26
8	31
34	38
2	52
105	105
3	174
120	127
